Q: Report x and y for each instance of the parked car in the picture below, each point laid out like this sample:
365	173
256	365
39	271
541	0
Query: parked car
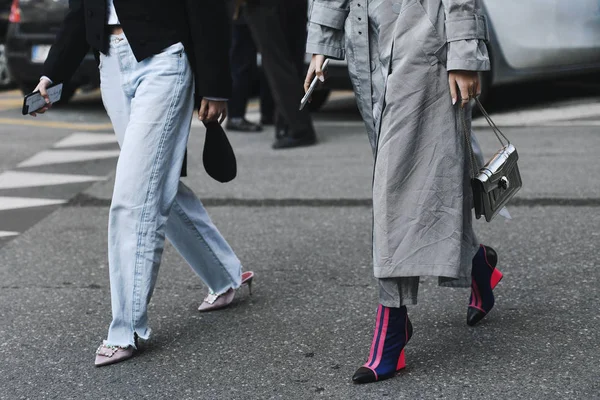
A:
529	40
5	78
32	30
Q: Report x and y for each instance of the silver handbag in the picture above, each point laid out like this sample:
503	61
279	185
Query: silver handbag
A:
497	181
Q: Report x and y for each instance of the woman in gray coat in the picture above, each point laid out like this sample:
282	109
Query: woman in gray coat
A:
413	64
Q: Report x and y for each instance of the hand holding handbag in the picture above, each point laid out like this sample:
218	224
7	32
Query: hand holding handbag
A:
499	179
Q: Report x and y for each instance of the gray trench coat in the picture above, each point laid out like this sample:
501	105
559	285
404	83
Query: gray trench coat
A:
399	53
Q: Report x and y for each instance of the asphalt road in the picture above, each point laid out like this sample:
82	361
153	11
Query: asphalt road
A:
301	220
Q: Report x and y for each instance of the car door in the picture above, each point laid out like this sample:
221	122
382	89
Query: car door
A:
546	34
42	16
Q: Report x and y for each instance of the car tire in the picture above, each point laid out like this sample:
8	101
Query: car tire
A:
319	98
5	76
67	94
27	87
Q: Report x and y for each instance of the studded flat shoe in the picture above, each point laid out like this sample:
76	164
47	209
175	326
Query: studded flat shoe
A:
107	354
215	301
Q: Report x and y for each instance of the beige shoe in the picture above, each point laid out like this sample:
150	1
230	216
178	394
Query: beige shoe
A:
214	301
106	354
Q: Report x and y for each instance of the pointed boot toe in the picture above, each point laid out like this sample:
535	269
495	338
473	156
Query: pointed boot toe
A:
364	375
485	276
474	315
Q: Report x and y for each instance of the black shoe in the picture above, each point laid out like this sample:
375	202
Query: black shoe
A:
288	142
485	277
242	125
265	121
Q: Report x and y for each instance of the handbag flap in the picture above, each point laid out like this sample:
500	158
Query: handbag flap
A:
499	167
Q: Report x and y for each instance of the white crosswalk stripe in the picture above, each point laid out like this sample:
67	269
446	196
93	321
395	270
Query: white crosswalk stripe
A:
21	179
13	203
8	234
20	189
48	157
86	139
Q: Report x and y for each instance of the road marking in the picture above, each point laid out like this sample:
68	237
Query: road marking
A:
86	139
8	233
47	157
11	104
543	116
28	121
13	203
574	123
21	179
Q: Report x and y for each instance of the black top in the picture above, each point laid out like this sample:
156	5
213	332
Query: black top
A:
150	25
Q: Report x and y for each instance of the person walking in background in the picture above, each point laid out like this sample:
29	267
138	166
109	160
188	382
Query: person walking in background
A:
414	68
279	29
150	55
244	72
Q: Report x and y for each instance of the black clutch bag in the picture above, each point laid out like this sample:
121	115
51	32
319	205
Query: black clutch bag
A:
499	179
218	156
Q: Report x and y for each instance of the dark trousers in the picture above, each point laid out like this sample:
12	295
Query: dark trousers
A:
244	71
279	30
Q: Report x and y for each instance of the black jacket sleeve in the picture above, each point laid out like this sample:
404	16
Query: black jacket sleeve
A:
70	46
210	36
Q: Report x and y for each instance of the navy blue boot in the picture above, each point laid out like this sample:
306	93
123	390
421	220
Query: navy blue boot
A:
485	277
392	331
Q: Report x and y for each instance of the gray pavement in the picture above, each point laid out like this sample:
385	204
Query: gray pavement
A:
301	220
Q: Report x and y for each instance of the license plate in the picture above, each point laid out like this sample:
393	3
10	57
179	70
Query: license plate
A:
39	53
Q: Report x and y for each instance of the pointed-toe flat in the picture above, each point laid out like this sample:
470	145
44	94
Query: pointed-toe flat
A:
106	354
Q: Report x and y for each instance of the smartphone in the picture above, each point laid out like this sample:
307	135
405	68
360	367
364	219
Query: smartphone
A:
34	101
312	86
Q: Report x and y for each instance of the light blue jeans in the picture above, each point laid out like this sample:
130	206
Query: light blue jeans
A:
150	104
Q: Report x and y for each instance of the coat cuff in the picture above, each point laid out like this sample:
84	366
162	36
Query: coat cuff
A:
467	37
326	31
468	55
467	28
328	16
468	65
335	52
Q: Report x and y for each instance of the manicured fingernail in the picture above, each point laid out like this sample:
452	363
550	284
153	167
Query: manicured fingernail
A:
453	100
322	78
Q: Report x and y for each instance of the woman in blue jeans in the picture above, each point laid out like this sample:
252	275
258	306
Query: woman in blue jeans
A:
414	66
150	55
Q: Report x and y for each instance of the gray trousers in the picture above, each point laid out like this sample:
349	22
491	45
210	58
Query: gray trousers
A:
398	292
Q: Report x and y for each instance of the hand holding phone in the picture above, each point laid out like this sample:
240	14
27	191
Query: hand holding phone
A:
312	86
35	101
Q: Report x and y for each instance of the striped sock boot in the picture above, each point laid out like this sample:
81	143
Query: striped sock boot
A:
392	331
485	277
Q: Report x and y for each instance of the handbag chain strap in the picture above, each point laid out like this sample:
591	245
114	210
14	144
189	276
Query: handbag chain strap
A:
467	134
494	127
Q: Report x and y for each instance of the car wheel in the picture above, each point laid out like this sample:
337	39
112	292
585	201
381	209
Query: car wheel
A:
319	98
27	87
67	94
5	78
